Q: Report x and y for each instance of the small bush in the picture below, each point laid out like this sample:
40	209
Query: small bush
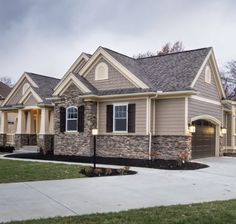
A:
88	171
183	157
98	172
7	148
108	171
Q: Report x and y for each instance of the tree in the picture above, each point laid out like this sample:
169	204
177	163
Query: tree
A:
166	49
7	80
228	76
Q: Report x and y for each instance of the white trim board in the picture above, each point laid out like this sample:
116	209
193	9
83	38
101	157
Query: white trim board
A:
72	67
19	82
123	70
71	78
203	99
30	92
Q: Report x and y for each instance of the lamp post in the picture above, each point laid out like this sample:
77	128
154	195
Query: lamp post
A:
94	133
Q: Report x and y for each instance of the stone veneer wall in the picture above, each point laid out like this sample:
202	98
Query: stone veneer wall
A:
3	139
25	139
46	143
75	143
123	146
169	147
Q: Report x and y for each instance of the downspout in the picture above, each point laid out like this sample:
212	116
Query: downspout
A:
149	101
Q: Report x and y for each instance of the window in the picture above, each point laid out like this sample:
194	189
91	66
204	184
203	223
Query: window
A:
25	87
120	118
208	74
71	119
101	71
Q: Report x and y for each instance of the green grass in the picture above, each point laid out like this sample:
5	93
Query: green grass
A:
19	171
214	212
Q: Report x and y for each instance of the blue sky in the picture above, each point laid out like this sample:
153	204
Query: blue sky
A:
46	36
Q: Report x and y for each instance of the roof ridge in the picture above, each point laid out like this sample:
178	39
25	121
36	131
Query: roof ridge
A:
118	53
45	76
179	52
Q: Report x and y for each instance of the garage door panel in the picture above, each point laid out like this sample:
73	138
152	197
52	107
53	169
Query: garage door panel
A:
203	140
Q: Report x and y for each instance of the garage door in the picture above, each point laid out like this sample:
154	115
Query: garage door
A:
203	140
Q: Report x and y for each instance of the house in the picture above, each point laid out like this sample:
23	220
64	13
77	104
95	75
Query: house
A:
147	108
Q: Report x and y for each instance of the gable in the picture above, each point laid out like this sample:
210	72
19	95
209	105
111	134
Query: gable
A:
30	101
115	79
71	90
18	93
208	90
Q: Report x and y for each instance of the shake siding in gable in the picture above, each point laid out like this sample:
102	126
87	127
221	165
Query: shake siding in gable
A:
197	108
31	101
207	90
140	119
170	117
115	79
18	94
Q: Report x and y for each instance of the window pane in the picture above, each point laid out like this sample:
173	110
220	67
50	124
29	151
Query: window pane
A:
120	124
71	125
120	111
72	112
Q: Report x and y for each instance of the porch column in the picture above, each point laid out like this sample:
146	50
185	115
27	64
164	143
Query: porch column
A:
45	138
21	122
3	127
44	123
4	122
30	123
51	123
21	138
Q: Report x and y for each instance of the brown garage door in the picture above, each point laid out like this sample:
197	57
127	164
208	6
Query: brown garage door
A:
203	140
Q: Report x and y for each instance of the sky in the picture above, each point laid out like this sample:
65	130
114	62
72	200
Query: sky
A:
46	36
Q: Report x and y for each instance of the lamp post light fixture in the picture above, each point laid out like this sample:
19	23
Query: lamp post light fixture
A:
94	133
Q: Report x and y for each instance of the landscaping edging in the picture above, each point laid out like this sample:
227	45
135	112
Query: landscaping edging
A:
157	164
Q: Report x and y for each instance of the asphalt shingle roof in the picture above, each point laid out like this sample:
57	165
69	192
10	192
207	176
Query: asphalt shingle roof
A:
169	72
46	85
4	90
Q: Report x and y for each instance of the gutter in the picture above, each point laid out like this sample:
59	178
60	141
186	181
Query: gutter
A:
149	126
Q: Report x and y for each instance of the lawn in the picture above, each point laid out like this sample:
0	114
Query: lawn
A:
19	171
213	212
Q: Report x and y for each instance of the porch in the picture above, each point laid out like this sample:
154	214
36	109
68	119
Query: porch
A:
28	126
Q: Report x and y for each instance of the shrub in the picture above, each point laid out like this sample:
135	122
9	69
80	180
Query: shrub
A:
7	148
108	171
98	172
88	171
183	157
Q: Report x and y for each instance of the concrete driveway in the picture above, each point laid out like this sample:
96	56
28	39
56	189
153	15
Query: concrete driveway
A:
150	187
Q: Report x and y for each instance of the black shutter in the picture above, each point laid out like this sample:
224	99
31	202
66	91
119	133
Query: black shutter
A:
131	118
62	119
109	118
81	119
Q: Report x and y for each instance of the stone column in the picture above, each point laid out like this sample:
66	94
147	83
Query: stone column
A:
45	139
30	129
21	138
3	127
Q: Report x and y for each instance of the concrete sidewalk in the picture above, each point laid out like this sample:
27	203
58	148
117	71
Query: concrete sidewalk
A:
150	187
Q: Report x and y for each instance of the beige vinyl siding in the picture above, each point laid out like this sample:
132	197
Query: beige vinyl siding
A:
115	79
170	116
228	125
18	94
207	90
31	101
140	116
198	108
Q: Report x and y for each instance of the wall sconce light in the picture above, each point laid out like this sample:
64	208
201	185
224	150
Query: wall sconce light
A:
192	128
95	131
223	131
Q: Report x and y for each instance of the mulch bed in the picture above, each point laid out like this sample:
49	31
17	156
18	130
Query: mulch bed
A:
157	164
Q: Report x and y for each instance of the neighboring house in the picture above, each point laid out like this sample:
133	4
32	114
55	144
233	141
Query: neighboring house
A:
143	108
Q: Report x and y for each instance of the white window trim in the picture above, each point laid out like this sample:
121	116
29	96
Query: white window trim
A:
120	104
71	131
103	64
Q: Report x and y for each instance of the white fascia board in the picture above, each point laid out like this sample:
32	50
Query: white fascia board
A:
72	67
28	93
124	71
24	76
77	82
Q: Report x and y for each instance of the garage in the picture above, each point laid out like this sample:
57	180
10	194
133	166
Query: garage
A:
204	139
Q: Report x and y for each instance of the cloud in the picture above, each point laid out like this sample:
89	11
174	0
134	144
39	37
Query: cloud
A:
47	36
